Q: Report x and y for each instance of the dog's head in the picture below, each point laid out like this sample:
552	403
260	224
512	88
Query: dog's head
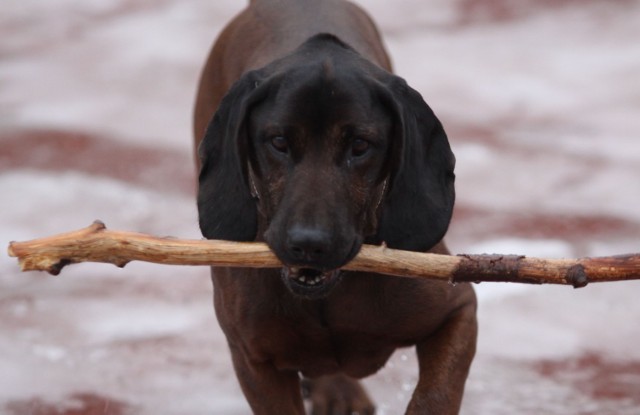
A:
318	152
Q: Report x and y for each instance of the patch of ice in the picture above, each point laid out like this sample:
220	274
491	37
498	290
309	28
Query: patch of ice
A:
100	53
49	352
471	154
79	199
112	322
551	70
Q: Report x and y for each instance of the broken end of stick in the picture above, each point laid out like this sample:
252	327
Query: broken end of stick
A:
53	266
29	263
34	255
10	250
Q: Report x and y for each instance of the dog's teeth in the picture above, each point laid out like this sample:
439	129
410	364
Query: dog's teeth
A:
309	280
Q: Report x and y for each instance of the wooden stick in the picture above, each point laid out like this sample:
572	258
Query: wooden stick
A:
97	244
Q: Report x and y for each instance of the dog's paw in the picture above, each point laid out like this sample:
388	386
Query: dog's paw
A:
337	395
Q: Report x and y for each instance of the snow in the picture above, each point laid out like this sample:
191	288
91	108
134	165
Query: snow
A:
540	101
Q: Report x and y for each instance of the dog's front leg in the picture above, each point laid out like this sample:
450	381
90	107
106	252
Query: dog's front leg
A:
268	390
444	358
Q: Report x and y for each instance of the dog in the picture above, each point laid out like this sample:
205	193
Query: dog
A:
307	141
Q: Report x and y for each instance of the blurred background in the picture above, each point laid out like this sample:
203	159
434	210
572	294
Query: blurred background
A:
541	101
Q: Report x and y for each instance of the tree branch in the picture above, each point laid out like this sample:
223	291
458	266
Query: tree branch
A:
97	244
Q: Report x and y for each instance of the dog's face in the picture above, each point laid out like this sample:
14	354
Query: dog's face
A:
320	146
319	154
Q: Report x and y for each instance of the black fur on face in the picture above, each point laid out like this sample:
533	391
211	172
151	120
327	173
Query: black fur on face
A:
320	154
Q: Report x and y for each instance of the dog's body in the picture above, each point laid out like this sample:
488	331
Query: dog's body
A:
317	148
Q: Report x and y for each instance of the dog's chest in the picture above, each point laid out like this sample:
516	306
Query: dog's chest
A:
307	342
354	354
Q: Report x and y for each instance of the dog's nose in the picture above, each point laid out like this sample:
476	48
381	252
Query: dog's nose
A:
308	244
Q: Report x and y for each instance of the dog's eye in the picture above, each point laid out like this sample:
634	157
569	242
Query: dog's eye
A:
280	144
359	147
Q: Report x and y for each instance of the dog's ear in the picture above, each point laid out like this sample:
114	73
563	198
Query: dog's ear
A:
418	207
226	207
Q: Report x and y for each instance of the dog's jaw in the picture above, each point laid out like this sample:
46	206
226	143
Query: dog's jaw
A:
310	283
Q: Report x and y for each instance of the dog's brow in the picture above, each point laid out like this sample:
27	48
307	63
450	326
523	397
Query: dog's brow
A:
271	129
362	130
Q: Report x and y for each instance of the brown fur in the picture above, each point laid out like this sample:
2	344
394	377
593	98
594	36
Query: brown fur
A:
282	160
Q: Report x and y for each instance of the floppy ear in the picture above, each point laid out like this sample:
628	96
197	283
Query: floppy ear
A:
419	204
226	208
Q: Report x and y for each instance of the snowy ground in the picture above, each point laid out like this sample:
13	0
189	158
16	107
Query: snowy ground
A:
541	100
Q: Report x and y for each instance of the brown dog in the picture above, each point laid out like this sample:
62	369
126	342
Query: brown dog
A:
317	148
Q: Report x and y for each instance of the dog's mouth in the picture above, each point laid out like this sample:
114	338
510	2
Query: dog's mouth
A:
309	282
